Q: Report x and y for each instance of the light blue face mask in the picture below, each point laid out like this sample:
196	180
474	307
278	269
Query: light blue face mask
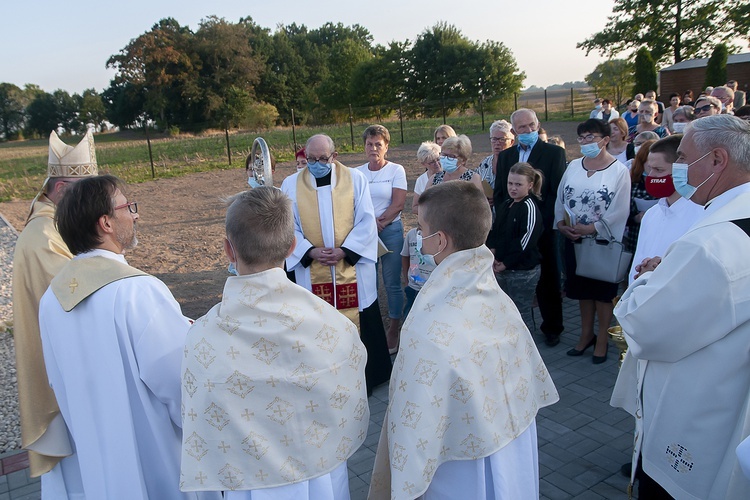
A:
528	139
428	260
591	150
318	169
450	165
252	182
680	178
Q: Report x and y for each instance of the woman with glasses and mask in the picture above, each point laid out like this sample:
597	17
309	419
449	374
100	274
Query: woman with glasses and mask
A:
593	191
454	155
501	138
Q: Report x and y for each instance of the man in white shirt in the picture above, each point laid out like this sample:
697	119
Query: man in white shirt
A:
689	320
113	338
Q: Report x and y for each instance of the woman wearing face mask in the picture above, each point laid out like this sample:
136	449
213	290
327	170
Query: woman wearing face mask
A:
681	117
454	154
594	190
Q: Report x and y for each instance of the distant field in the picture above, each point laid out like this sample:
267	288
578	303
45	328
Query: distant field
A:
23	164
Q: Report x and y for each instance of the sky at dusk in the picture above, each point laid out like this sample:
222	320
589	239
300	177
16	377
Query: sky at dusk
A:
66	45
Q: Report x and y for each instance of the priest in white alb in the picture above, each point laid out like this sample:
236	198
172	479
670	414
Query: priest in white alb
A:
273	381
112	338
468	380
337	246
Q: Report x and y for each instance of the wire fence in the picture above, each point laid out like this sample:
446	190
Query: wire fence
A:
140	155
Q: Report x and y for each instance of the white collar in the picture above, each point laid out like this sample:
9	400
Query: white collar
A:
100	252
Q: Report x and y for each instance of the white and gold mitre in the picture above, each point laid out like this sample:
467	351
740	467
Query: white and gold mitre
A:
69	161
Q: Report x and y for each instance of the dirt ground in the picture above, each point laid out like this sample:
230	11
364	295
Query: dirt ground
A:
181	223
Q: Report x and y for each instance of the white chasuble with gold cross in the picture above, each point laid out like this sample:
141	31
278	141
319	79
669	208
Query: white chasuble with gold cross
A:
467	381
273	388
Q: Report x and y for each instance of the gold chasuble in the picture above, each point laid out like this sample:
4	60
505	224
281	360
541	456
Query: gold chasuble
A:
273	388
337	284
82	277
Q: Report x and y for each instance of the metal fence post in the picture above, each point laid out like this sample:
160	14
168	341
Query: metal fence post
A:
443	104
572	107
351	125
229	151
150	154
401	120
294	133
546	108
481	109
515	101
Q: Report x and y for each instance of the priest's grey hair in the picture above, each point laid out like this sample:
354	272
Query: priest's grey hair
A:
726	132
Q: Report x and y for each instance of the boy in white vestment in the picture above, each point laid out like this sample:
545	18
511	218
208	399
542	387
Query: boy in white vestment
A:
468	379
112	338
273	377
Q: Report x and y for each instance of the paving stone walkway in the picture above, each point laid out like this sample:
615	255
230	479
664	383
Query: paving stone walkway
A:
582	440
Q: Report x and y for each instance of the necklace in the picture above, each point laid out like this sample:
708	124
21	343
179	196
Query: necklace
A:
374	174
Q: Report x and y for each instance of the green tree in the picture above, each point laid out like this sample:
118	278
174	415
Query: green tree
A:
447	68
380	80
92	109
161	64
229	71
645	72
42	115
67	107
716	70
12	111
672	30
612	79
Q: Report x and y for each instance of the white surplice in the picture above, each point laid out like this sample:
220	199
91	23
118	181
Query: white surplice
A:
467	383
274	393
363	238
114	365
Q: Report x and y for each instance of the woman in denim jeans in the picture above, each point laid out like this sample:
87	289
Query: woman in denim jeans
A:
387	183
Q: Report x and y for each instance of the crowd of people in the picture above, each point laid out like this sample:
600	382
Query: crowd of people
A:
266	395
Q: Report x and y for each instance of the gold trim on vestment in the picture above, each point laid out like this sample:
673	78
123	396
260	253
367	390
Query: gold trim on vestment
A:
82	277
337	284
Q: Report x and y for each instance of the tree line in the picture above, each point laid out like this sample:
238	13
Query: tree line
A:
225	75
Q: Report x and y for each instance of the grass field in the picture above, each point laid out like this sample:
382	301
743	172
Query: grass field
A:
23	164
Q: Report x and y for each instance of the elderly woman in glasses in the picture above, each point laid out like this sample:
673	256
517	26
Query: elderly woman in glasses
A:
454	155
594	195
501	138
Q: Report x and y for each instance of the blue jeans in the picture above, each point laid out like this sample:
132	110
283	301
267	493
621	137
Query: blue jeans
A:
393	238
411	295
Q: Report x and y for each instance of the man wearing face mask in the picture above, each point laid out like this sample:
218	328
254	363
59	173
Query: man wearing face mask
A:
726	96
337	244
687	321
550	160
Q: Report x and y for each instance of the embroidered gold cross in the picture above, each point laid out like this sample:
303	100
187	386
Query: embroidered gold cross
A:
73	285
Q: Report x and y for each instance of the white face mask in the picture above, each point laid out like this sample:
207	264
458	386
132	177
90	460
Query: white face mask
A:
426	259
679	127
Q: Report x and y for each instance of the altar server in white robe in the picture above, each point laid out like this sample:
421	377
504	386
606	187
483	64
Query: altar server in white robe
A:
468	379
689	319
112	338
273	378
337	246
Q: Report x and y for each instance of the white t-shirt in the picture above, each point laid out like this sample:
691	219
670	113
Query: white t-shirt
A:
418	273
421	184
382	183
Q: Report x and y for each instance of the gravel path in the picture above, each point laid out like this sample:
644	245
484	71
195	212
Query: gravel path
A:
10	431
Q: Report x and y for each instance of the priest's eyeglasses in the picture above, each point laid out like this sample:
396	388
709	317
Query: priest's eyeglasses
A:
131	205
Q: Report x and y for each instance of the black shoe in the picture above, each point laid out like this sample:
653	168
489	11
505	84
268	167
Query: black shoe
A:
551	339
597	360
576	352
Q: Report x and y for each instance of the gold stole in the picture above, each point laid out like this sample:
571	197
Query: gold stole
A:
337	284
82	277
